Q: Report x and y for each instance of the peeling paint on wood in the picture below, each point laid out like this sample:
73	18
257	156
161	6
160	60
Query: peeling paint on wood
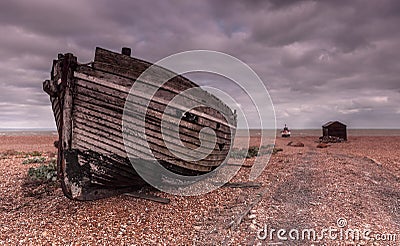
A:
88	103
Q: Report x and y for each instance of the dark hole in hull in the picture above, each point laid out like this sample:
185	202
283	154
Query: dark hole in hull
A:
190	117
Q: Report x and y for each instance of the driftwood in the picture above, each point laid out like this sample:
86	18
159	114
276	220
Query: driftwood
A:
238	219
148	196
373	160
238	184
239	165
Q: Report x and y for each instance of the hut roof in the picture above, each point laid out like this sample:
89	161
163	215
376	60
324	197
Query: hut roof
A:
332	122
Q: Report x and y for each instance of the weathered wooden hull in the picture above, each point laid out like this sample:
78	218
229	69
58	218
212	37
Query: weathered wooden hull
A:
88	104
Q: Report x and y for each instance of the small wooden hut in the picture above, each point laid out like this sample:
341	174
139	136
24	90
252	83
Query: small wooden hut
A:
334	129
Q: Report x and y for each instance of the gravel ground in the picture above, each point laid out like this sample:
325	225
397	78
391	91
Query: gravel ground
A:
302	188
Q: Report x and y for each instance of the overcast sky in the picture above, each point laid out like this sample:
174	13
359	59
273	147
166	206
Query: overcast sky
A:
320	60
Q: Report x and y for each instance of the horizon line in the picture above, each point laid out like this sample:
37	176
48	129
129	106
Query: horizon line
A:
308	128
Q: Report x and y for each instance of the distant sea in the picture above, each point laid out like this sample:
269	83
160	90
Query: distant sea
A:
27	131
240	132
318	132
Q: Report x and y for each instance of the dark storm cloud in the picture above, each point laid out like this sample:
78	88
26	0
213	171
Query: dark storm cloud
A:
321	60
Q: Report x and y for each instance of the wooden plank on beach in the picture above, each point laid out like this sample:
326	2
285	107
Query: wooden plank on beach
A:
148	196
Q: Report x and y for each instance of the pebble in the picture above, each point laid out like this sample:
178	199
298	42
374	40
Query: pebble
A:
252	216
253	227
197	228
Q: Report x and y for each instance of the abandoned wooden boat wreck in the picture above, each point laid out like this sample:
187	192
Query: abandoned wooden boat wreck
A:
88	104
